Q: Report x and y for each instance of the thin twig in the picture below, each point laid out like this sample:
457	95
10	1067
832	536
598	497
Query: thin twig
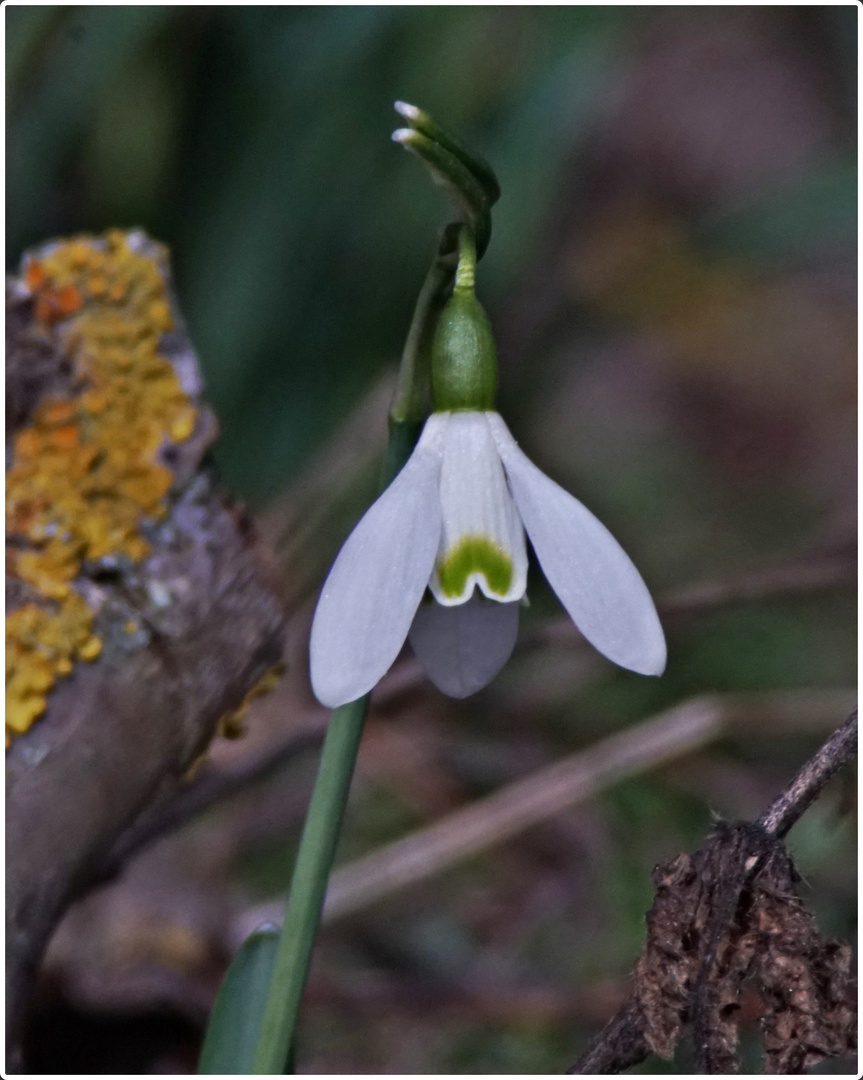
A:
524	803
519	805
211	789
800	577
204	793
806	786
786	579
620	1045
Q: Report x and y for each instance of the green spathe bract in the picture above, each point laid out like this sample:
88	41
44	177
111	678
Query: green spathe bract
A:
464	361
475	554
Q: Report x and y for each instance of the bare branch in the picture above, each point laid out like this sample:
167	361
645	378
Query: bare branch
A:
519	805
202	794
535	798
796	708
839	749
620	1045
804	576
181	621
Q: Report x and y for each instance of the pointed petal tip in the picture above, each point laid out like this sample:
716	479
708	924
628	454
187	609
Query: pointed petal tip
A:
593	577
337	700
329	698
648	659
654	667
659	667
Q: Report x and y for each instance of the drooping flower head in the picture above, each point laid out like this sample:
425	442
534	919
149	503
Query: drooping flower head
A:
441	559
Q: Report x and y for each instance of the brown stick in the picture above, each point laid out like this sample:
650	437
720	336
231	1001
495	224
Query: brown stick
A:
123	730
824	574
806	786
525	802
203	793
818	573
516	806
620	1045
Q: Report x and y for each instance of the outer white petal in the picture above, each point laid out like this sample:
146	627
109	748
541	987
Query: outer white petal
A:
462	648
477	508
587	568
371	594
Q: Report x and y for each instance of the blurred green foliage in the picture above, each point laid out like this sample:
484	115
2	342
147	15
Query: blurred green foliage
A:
254	141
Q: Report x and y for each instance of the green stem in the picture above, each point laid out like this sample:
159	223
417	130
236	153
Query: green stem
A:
338	756
410	401
403	435
308	885
472	184
465	275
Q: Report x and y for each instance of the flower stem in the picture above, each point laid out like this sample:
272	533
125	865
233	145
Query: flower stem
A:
473	185
465	275
339	754
308	886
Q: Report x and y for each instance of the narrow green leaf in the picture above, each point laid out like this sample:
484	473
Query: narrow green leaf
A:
451	173
232	1030
420	121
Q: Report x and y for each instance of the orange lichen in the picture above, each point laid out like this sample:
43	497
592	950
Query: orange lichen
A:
53	305
34	275
85	472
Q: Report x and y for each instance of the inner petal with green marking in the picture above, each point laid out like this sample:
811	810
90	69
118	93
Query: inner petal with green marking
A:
478	556
482	542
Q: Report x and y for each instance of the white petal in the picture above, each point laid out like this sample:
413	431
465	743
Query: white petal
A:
462	648
371	594
482	541
587	568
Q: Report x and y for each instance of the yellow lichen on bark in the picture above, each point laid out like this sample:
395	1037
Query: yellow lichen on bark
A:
232	725
84	471
41	645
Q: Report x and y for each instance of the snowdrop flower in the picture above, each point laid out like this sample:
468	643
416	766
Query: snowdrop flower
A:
453	522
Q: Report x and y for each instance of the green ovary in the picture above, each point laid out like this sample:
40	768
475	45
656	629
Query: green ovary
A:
475	555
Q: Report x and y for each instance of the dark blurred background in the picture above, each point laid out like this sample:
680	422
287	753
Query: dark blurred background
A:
672	282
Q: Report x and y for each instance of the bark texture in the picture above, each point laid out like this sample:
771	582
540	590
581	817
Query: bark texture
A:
185	634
